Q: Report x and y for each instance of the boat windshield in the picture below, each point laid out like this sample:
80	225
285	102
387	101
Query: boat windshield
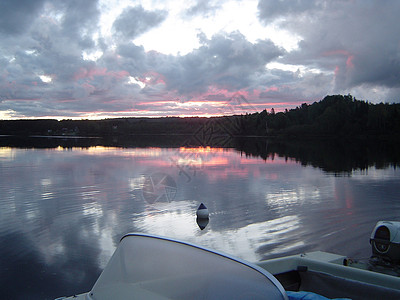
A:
149	267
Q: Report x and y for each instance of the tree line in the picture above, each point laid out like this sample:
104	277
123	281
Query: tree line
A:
334	116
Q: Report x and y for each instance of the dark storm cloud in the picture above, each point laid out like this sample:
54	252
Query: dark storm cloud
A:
357	40
226	61
134	21
296	89
16	16
134	59
53	47
80	20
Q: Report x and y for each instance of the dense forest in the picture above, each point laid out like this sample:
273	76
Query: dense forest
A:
334	116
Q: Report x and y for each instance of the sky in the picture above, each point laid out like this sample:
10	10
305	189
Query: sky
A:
97	59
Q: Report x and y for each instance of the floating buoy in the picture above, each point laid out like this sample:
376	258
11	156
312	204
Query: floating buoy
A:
202	223
202	212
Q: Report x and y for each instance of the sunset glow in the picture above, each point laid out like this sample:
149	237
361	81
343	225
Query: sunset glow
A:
108	59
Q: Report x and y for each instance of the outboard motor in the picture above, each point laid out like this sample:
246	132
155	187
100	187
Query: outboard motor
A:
385	241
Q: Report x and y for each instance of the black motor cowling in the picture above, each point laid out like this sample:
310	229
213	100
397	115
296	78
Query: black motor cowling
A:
385	241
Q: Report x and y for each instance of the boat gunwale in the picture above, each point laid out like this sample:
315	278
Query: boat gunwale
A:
324	262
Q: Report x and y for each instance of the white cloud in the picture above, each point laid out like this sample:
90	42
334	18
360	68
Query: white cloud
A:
133	80
45	78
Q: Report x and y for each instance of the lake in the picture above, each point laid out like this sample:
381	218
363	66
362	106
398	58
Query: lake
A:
65	203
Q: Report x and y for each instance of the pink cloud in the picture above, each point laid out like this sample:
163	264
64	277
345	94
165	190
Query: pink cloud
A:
349	61
350	57
89	73
214	90
337	70
88	87
272	89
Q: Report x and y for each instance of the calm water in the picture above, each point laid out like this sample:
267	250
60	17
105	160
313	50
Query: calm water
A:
63	210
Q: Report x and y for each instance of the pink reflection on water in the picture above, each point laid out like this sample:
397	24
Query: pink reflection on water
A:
214	163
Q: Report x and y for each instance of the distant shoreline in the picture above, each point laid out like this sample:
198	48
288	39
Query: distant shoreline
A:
335	116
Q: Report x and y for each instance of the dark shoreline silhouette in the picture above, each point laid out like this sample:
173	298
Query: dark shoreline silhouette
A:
333	117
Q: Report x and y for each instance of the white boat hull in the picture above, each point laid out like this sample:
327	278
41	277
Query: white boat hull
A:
322	273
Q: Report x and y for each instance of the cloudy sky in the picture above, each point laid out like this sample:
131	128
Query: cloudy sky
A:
125	58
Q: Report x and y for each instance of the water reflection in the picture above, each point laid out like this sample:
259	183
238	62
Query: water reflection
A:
63	211
337	156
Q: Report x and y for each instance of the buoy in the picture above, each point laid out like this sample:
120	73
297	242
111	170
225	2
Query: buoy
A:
202	223
202	212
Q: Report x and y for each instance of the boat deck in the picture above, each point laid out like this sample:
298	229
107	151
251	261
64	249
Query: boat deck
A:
325	274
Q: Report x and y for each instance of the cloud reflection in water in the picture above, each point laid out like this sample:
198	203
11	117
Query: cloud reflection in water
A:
63	212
